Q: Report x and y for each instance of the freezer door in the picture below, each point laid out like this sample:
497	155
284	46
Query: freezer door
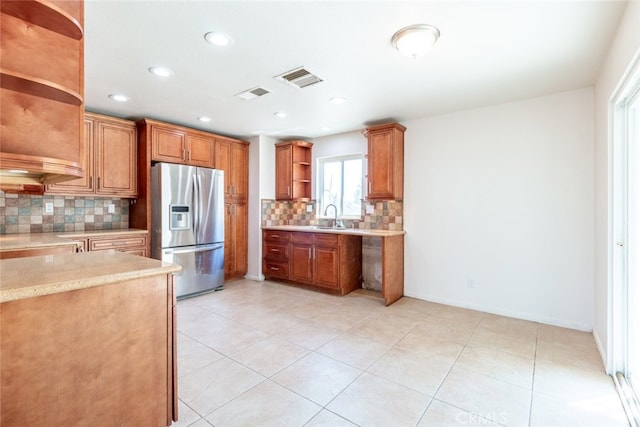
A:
202	268
173	201
209	206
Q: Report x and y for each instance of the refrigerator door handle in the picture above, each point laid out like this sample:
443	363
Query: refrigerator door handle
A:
196	205
191	249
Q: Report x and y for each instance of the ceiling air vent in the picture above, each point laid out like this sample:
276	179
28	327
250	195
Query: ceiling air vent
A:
300	77
252	93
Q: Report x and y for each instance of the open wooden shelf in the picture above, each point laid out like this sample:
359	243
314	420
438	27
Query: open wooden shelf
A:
44	14
20	82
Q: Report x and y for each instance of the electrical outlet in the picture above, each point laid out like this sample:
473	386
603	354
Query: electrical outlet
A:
48	208
309	208
111	208
369	209
470	283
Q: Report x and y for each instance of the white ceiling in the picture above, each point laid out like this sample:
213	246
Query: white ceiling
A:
489	52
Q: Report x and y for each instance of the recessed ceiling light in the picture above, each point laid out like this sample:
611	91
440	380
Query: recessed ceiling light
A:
17	171
217	38
325	128
415	40
280	114
338	100
161	71
204	119
119	97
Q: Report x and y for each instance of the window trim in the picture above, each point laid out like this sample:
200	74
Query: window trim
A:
320	180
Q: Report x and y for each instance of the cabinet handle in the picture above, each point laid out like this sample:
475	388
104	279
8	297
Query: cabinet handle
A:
288	190
274	268
309	253
184	156
369	186
275	250
90	182
98	183
189	153
274	236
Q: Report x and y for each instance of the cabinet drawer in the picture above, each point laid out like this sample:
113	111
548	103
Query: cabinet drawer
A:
306	238
276	269
136	251
276	236
276	251
117	243
325	239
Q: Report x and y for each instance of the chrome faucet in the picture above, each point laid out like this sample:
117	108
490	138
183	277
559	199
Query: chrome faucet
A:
336	224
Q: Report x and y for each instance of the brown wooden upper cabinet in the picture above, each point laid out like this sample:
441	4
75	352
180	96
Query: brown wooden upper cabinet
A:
293	170
233	158
385	161
174	144
109	160
41	90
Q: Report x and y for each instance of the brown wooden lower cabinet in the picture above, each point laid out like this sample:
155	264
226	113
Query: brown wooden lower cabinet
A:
133	243
98	356
235	240
328	261
38	251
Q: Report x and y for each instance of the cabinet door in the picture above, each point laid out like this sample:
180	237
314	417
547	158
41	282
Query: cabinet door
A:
239	171
326	267
380	161
200	151
235	239
240	243
228	240
284	171
116	159
84	185
223	162
301	263
167	145
233	159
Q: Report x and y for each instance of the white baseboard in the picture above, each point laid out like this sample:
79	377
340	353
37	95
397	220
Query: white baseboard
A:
259	278
602	351
509	313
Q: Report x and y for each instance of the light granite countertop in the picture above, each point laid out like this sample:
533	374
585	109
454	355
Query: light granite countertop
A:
350	231
9	242
22	278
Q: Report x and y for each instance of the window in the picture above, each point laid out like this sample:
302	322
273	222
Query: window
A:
624	307
340	184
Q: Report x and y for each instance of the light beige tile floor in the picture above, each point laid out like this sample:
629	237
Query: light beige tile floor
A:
267	354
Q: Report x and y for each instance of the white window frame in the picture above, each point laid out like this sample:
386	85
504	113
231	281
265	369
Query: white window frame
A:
320	183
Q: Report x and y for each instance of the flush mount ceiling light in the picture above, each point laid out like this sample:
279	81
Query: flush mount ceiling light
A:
119	97
338	100
415	40
218	39
280	114
204	119
161	71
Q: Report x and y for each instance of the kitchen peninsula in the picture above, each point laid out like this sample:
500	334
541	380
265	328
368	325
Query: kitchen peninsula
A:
88	337
331	258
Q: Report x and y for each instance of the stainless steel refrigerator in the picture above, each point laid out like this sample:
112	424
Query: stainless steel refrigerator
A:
187	224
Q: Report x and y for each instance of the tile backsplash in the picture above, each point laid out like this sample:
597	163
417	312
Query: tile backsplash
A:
386	215
21	213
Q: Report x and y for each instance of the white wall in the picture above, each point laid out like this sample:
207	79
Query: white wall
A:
261	186
503	196
625	44
337	145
